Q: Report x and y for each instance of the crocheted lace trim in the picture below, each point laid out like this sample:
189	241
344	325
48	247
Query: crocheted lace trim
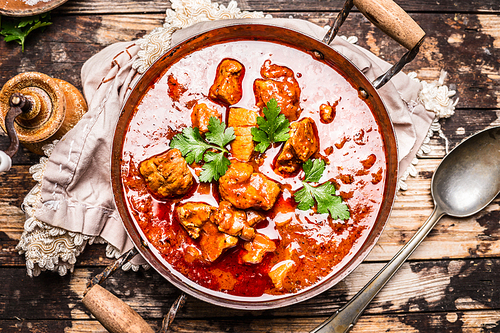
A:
55	249
183	14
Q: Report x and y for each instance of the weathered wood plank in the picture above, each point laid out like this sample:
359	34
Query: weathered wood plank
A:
15	184
76	39
452	237
154	6
430	286
453	322
473	73
461	125
429	294
476	236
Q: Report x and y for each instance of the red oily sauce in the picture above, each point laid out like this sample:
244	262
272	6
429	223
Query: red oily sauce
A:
350	143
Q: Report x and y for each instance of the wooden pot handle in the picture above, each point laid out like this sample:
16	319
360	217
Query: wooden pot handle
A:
113	313
393	20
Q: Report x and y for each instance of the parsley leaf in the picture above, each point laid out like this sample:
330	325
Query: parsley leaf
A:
304	197
313	170
273	128
218	134
18	30
195	149
323	195
216	165
191	144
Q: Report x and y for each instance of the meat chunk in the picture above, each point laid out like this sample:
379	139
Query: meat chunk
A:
279	83
235	222
213	242
167	175
369	161
175	89
230	220
246	189
227	84
328	111
253	217
302	144
201	116
257	248
193	215
279	271
242	120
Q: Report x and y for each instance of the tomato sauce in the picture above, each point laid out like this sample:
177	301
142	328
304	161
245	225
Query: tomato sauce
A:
351	145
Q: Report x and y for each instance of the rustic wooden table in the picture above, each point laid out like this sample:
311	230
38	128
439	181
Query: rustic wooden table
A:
451	283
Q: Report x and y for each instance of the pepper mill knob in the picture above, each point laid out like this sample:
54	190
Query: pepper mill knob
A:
54	107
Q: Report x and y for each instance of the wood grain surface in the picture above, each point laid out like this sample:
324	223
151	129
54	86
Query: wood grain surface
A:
450	284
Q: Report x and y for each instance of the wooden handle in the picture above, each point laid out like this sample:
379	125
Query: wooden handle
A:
113	313
393	20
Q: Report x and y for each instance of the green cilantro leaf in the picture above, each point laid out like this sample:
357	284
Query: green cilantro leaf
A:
261	137
328	202
18	30
274	127
313	170
304	197
323	195
195	149
216	165
218	134
191	144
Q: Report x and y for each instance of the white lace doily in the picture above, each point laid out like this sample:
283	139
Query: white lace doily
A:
50	248
183	14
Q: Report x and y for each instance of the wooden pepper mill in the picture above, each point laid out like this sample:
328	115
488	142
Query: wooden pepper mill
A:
36	109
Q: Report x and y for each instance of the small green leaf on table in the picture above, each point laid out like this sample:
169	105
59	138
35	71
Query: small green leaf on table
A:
18	29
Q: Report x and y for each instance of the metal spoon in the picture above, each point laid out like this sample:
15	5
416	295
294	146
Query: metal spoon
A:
465	182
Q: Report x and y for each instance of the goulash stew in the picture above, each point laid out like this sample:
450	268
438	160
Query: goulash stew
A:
254	170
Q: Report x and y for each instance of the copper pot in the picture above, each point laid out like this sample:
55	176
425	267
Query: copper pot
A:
281	36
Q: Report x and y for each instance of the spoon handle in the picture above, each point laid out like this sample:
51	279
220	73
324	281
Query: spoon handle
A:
345	318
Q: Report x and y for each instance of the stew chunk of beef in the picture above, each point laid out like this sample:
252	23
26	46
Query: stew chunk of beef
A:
236	222
167	175
302	144
279	271
257	248
213	242
201	116
245	189
279	83
227	85
175	89
193	215
242	120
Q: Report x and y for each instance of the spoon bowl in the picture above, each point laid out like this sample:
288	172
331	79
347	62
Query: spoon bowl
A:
465	182
468	178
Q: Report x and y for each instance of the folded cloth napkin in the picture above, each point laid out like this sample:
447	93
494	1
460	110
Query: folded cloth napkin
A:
75	201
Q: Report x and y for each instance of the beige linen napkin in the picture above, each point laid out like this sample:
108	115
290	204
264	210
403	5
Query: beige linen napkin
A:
76	192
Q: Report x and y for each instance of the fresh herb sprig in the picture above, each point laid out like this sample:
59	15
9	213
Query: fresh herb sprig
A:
274	127
322	195
18	29
195	149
